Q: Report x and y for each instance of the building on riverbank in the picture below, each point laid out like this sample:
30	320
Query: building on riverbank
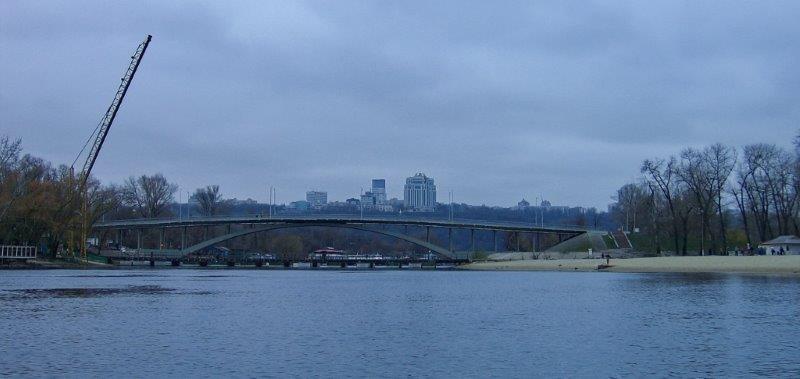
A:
790	245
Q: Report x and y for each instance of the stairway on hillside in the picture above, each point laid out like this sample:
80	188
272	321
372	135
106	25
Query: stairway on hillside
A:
622	239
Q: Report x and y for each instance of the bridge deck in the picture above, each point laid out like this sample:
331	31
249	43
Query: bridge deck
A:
322	220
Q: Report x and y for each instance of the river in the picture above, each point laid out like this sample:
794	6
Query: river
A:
252	323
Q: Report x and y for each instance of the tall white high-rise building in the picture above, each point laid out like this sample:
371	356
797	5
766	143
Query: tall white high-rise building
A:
420	194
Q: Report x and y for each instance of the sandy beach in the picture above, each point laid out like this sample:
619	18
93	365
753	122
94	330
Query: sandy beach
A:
785	264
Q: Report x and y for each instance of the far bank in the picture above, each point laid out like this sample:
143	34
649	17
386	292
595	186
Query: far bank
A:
785	264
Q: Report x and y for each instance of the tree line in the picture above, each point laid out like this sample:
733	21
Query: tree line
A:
39	202
714	199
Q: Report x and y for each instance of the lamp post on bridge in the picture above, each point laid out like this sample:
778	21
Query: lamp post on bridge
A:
271	200
450	214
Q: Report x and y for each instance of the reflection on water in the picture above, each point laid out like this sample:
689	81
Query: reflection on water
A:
397	323
83	292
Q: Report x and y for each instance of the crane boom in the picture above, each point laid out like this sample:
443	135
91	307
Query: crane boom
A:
111	113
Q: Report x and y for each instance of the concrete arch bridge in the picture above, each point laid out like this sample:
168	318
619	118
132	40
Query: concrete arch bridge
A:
172	243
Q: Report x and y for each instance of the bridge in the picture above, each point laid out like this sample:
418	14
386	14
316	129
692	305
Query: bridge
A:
239	226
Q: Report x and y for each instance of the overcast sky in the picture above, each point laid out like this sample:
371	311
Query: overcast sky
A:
495	100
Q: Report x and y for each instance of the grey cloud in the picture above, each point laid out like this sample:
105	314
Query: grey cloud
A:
496	100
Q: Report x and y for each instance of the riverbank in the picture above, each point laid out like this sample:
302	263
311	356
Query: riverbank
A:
41	264
770	264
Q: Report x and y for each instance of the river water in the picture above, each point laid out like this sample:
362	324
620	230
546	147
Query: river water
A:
252	323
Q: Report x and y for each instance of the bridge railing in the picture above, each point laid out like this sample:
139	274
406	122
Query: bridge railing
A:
348	217
17	252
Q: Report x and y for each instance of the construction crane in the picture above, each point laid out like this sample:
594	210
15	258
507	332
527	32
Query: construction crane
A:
100	133
105	123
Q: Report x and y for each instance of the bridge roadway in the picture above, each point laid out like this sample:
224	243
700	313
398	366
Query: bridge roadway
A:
258	224
333	220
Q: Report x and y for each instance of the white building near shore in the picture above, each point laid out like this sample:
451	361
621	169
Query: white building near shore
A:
789	244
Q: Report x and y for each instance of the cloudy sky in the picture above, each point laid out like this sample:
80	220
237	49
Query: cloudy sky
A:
495	100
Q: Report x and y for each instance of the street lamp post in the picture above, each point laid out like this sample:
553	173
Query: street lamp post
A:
451	205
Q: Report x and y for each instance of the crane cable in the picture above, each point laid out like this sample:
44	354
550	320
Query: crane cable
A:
91	136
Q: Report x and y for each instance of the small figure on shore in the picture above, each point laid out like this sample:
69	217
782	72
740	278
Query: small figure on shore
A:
608	257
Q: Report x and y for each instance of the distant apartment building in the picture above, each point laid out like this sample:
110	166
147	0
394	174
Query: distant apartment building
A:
375	199
367	200
300	205
317	199
379	191
420	194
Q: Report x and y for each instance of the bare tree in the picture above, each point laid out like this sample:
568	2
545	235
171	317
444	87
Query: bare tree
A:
150	194
755	163
9	183
739	189
9	154
632	200
209	200
721	160
781	184
796	185
696	173
663	174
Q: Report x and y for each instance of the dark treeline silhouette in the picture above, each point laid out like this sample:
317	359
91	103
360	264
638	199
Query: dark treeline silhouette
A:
713	200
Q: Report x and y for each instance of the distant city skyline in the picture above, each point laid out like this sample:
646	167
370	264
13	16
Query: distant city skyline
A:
320	192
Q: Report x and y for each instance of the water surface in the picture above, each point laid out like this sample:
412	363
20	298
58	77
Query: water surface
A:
245	323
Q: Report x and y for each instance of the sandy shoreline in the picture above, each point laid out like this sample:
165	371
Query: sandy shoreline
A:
785	264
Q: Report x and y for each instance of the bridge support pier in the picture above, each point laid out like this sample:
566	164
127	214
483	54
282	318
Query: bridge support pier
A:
183	238
428	234
450	237
138	240
494	239
516	237
472	240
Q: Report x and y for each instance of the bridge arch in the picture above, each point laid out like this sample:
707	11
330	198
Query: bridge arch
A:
416	241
